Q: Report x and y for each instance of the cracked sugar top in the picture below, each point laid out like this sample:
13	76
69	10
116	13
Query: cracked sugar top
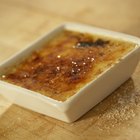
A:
66	63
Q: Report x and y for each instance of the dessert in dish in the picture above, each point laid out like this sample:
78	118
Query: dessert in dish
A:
69	70
66	63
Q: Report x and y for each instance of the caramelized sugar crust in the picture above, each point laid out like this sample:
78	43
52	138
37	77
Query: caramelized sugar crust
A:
67	63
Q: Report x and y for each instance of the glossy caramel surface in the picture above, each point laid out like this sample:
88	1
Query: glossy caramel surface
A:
67	63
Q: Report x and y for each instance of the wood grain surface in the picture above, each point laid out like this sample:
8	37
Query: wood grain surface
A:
115	118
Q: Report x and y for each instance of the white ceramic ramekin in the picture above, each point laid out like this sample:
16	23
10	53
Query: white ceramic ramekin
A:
95	91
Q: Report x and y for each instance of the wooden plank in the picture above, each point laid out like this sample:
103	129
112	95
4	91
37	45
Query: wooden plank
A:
117	117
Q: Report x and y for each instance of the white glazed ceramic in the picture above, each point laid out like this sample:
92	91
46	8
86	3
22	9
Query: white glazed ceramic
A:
90	95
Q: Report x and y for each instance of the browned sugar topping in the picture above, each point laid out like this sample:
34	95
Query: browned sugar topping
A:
66	63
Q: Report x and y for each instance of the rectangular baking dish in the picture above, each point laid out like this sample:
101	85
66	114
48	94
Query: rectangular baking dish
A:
90	95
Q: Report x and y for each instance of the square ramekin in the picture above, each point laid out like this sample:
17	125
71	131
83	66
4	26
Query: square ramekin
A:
90	95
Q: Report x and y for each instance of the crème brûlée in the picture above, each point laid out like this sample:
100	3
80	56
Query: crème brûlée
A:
66	63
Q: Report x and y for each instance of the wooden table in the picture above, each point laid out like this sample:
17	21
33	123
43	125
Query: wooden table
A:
115	118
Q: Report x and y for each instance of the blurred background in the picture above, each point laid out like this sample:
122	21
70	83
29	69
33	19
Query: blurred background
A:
23	21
